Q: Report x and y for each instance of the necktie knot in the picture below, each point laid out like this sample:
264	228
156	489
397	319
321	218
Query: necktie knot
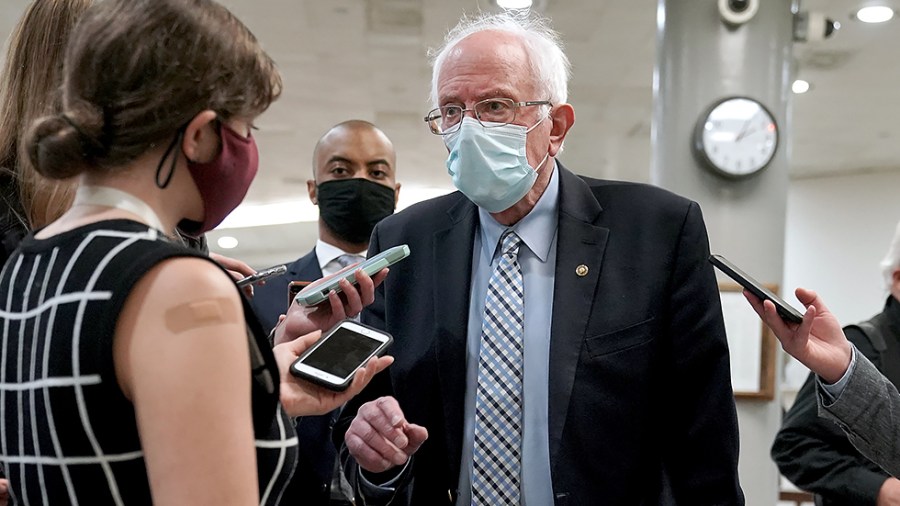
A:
347	259
510	243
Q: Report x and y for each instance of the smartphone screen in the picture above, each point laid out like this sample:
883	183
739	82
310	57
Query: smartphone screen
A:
342	353
785	310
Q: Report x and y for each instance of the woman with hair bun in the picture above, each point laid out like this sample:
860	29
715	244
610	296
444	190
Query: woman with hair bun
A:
29	89
132	370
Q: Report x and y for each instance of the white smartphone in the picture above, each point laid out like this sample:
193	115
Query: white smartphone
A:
317	291
333	359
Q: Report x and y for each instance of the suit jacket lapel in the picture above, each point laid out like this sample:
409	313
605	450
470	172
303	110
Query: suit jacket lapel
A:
452	285
580	245
306	268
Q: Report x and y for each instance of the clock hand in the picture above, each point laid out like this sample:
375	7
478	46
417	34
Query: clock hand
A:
743	133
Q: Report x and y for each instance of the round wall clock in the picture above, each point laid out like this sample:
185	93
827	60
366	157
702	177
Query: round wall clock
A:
736	137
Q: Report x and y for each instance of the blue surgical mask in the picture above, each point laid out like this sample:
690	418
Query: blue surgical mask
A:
489	165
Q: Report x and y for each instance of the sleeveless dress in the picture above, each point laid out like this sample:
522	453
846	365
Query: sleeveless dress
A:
69	435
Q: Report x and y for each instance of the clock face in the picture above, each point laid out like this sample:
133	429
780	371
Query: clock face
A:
737	137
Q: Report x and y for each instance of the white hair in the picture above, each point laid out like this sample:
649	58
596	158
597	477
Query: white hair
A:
543	46
891	261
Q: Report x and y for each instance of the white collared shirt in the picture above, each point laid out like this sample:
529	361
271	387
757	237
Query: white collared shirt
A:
327	254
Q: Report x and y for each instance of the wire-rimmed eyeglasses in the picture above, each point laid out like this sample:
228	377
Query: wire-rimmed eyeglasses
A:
497	111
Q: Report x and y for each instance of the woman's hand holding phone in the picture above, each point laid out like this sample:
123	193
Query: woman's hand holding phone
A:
236	269
818	342
301	398
301	320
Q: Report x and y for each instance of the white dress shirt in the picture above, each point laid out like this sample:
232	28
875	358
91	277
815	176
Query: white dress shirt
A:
328	254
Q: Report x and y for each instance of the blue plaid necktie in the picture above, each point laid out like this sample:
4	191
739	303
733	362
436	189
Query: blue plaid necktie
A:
498	401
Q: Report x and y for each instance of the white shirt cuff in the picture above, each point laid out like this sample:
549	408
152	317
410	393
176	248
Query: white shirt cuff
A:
384	487
833	391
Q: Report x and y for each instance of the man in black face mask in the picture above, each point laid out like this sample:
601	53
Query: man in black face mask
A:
354	186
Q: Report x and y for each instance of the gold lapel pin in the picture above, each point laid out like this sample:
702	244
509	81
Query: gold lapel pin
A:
581	270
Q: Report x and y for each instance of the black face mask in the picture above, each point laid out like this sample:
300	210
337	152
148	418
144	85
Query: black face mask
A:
352	207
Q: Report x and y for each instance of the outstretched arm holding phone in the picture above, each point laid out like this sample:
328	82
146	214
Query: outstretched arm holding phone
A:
867	407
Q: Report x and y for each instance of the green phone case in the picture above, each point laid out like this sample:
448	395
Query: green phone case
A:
317	291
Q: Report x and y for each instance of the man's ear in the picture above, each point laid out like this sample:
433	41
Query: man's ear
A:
311	191
396	195
201	138
563	117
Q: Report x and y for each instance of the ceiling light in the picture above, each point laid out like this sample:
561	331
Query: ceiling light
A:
227	242
800	86
514	4
875	14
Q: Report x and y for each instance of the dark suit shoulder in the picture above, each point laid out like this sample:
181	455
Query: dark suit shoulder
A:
425	216
645	193
427	209
640	205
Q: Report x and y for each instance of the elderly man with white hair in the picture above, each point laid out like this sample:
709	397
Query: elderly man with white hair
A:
557	339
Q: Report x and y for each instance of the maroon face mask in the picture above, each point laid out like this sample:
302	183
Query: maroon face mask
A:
223	182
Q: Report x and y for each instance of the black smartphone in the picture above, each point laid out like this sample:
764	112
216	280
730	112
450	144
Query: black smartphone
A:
335	357
785	310
262	275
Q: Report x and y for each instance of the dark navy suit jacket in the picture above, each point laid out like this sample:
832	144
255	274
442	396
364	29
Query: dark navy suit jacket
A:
312	478
641	410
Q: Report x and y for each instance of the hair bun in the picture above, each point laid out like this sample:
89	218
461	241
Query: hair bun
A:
86	118
57	148
62	146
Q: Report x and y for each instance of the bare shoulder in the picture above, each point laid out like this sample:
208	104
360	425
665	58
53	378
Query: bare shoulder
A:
184	277
190	290
178	298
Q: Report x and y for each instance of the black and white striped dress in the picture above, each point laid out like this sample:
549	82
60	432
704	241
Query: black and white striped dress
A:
69	435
